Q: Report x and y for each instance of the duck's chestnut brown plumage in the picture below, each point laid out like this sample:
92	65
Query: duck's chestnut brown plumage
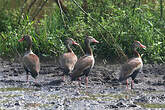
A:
69	59
30	60
86	62
133	66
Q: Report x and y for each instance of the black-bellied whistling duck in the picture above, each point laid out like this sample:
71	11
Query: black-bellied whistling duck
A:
69	59
30	60
133	66
85	63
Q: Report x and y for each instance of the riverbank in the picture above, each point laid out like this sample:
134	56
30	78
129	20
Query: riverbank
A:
103	92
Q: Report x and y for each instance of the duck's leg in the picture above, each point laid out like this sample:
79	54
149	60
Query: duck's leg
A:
127	83
134	76
36	81
79	81
27	76
132	84
86	72
63	77
86	81
65	73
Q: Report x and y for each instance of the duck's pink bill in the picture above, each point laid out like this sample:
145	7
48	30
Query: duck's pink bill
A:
143	46
75	43
21	40
95	41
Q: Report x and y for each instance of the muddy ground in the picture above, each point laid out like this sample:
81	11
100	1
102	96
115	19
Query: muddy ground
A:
103	92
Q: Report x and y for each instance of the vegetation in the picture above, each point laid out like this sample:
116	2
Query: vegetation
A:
151	105
115	23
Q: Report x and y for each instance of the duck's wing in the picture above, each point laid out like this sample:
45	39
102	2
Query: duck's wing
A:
31	63
68	60
128	68
82	64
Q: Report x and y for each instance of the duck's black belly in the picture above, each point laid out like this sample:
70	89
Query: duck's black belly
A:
134	74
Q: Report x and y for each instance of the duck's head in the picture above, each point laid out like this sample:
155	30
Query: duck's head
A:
90	39
137	44
27	38
70	41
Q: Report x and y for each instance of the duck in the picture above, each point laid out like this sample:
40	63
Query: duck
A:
68	59
84	63
133	66
31	62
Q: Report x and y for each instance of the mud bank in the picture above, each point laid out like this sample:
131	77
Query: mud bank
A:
103	92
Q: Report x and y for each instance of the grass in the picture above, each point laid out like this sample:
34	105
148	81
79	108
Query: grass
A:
53	96
146	105
36	105
115	96
154	92
15	89
32	105
116	27
99	97
11	95
4	101
83	98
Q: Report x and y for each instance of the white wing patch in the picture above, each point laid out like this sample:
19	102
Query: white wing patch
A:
139	66
29	52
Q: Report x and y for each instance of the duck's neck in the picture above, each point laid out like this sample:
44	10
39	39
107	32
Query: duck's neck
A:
88	50
68	48
29	48
136	54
